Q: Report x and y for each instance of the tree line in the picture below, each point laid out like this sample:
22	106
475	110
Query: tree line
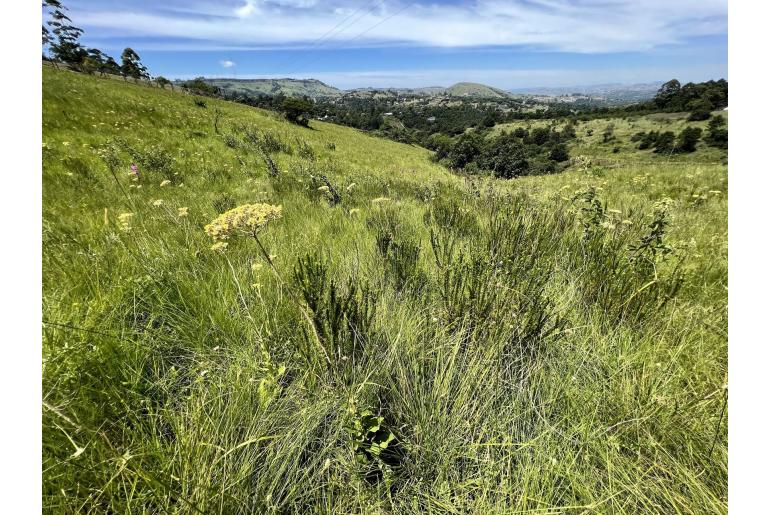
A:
62	39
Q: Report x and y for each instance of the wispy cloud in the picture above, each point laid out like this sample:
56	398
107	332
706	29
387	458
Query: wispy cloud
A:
587	26
227	63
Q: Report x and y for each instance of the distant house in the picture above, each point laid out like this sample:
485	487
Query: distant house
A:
431	119
387	114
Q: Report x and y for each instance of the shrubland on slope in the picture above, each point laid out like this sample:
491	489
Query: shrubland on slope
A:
408	341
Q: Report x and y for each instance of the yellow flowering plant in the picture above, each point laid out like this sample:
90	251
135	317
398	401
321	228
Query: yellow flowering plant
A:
247	219
250	219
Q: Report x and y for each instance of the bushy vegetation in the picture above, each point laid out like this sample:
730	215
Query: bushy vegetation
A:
505	155
700	99
393	338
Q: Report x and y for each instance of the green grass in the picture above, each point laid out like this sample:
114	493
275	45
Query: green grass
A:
483	346
590	139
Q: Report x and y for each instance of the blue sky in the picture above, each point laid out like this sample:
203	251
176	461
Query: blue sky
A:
508	44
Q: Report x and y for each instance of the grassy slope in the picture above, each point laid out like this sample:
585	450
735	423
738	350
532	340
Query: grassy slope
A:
472	89
289	87
623	128
160	355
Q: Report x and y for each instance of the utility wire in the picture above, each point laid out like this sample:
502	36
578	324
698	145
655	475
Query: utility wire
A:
355	37
334	31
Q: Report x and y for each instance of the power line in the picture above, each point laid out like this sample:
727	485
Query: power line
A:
331	32
356	36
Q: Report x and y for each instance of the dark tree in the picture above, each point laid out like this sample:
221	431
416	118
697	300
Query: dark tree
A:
569	131
540	135
667	92
609	133
131	65
700	109
162	82
506	157
717	132
466	150
110	66
441	144
200	86
665	142
688	139
297	110
66	47
559	153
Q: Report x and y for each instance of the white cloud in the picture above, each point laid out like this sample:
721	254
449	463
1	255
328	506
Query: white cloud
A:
560	25
247	9
227	63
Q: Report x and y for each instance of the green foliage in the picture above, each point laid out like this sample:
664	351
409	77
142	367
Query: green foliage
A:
467	148
153	159
700	98
651	247
162	82
200	86
559	153
533	369
305	151
66	45
131	65
664	143
688	138
297	110
609	133
342	317
717	133
223	202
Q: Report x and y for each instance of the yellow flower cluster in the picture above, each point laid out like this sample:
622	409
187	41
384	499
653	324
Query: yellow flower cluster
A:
182	212
247	219
125	221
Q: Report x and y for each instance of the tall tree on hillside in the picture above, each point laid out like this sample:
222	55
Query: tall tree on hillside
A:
66	47
110	66
131	65
94	61
667	92
47	36
162	82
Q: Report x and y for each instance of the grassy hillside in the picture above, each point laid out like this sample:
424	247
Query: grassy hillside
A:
619	149
288	87
407	342
472	89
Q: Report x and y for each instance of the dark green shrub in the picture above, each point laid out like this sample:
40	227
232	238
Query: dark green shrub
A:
342	317
559	153
540	135
297	110
665	142
465	150
717	133
688	139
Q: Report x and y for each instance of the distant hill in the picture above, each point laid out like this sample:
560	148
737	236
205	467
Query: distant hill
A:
461	89
425	91
472	89
288	87
316	88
